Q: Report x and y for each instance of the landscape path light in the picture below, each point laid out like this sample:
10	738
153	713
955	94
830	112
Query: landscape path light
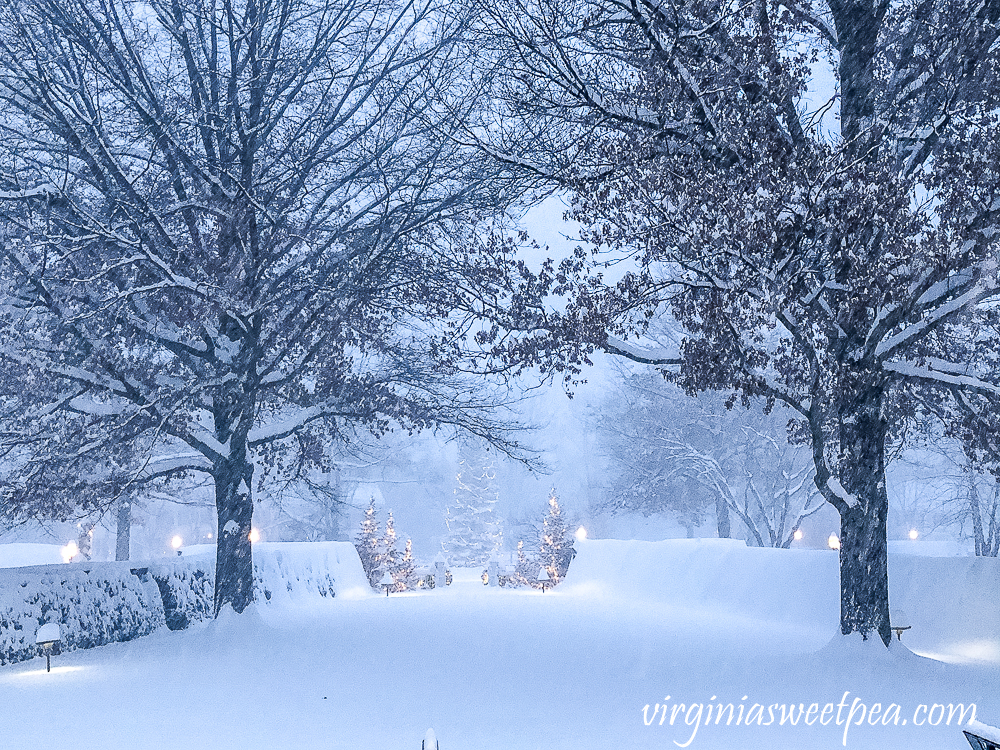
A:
48	637
543	577
69	551
833	541
430	741
177	543
387	581
914	534
898	622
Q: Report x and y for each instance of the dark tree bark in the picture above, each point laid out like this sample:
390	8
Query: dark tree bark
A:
864	573
234	578
123	532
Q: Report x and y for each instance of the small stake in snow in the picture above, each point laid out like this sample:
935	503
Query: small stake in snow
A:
48	638
898	623
430	741
387	581
543	577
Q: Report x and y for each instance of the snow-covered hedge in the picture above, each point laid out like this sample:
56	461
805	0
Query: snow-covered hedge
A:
99	603
187	589
93	604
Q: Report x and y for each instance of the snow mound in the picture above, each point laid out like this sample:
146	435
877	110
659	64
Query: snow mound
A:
291	570
950	602
798	586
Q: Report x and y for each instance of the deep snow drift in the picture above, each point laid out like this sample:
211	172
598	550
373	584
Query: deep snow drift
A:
588	665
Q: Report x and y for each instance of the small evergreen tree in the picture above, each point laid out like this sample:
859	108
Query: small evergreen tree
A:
387	548
526	572
404	572
368	546
556	548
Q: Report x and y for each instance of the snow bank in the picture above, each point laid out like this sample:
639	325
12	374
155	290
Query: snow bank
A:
94	604
950	602
292	570
763	583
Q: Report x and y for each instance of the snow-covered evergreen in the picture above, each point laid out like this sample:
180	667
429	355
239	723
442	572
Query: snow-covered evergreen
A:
556	546
368	546
404	572
475	531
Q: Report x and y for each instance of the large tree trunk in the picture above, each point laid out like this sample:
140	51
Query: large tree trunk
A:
864	579
234	559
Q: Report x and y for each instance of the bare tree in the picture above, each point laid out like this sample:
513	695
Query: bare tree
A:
665	447
231	230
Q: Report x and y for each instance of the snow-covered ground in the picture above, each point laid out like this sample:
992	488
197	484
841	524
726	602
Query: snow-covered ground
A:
636	626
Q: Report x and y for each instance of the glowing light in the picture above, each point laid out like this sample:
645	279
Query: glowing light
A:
177	542
798	535
254	536
833	541
914	533
210	535
581	533
69	551
43	673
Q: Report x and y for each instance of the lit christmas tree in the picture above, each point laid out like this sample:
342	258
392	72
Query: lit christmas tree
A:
526	572
474	530
387	548
556	549
404	572
368	546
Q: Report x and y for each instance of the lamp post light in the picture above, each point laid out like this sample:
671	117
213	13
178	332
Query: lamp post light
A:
833	542
898	622
440	571
48	637
69	551
177	543
387	581
914	534
493	570
543	577
797	536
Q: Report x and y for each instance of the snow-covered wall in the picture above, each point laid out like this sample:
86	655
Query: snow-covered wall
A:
952	603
